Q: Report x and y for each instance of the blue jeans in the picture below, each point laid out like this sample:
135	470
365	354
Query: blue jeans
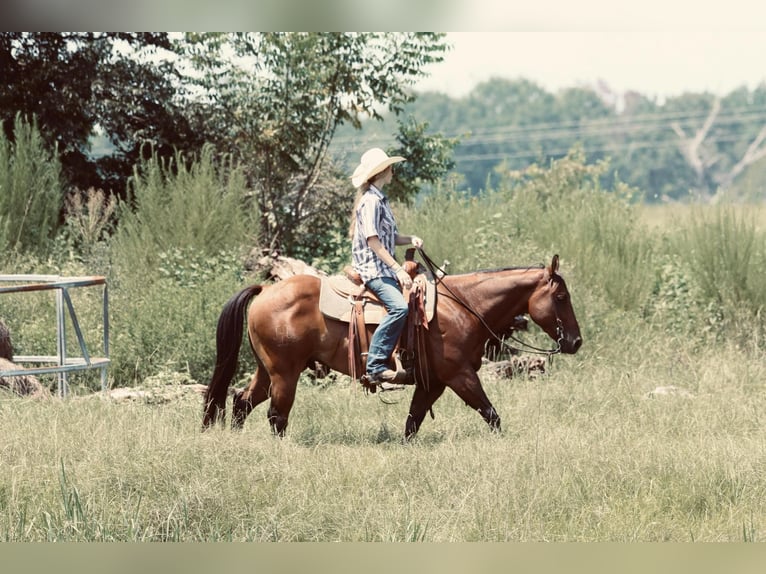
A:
387	334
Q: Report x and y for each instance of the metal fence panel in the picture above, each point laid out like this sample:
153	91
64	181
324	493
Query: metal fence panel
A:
62	364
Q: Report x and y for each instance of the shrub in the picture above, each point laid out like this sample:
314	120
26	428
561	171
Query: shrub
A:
30	190
564	209
168	321
201	206
726	256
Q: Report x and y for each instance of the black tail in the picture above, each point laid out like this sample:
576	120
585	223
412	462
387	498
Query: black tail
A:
228	340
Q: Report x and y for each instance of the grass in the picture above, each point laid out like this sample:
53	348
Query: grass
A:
584	455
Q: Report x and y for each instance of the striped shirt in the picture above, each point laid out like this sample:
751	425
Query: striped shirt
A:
373	217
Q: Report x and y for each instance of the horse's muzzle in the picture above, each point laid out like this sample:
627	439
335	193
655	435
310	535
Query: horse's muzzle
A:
571	346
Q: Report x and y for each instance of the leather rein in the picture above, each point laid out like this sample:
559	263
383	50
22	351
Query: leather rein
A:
526	347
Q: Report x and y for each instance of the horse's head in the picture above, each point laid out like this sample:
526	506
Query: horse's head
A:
551	308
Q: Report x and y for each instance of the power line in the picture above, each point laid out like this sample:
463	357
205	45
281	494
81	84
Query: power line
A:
585	131
611	146
651	123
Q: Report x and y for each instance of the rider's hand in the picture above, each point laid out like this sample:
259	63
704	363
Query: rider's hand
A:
404	278
416	241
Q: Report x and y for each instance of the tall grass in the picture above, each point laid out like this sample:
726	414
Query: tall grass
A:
31	193
176	258
197	205
536	213
584	455
591	451
727	254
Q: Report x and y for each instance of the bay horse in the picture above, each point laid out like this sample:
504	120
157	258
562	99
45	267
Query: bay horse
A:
288	333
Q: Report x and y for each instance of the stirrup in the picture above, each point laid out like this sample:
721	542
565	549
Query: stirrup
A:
382	386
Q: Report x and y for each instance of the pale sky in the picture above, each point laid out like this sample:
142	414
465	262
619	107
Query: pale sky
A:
656	62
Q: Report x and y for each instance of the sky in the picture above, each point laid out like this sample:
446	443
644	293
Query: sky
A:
654	61
656	47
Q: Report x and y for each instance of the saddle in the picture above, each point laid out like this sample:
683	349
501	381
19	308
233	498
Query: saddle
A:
344	297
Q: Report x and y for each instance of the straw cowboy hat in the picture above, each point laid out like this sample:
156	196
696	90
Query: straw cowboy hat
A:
374	161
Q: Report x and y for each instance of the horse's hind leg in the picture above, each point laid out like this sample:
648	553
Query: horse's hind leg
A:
282	397
255	393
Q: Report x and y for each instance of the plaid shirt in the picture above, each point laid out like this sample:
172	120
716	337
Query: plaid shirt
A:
373	217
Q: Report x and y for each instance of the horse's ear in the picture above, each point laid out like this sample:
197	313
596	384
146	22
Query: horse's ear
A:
555	264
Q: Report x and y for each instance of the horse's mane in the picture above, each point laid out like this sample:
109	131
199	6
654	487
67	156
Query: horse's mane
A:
499	269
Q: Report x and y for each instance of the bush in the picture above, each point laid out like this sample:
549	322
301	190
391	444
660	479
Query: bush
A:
725	254
564	209
168	321
31	193
536	213
201	206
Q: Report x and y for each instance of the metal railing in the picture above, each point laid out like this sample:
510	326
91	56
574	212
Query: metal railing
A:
62	363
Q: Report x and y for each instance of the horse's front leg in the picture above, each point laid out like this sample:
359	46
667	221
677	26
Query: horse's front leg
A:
422	401
467	386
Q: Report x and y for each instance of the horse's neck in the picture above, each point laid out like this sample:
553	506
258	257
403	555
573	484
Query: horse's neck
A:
499	295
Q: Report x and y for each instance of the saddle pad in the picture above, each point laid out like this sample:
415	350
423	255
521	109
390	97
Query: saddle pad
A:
338	293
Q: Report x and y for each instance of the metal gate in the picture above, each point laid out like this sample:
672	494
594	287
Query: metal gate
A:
62	364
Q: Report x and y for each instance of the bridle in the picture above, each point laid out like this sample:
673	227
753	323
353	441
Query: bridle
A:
526	347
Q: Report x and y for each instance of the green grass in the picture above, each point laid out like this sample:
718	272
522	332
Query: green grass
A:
663	298
584	455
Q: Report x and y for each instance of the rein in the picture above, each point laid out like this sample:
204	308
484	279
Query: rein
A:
433	268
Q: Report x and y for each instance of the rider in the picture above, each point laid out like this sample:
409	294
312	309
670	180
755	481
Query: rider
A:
374	237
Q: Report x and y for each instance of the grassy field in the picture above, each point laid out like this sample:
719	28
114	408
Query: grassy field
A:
586	454
668	297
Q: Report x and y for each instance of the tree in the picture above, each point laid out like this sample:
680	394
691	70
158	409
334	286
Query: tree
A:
667	149
77	83
429	158
275	100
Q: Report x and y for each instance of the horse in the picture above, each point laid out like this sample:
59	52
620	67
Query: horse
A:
289	333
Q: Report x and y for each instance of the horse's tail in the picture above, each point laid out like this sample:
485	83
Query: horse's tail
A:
228	340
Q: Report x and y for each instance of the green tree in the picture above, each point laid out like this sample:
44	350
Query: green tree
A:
497	116
78	83
429	158
274	102
654	146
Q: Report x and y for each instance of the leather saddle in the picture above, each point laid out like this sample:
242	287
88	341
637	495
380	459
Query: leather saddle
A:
344	297
340	293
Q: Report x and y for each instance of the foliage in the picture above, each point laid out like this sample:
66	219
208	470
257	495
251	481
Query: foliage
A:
166	320
695	276
677	302
30	190
202	205
88	218
564	206
518	122
275	100
726	254
73	82
429	159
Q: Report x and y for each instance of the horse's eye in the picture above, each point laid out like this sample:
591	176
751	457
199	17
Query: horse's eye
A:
561	296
